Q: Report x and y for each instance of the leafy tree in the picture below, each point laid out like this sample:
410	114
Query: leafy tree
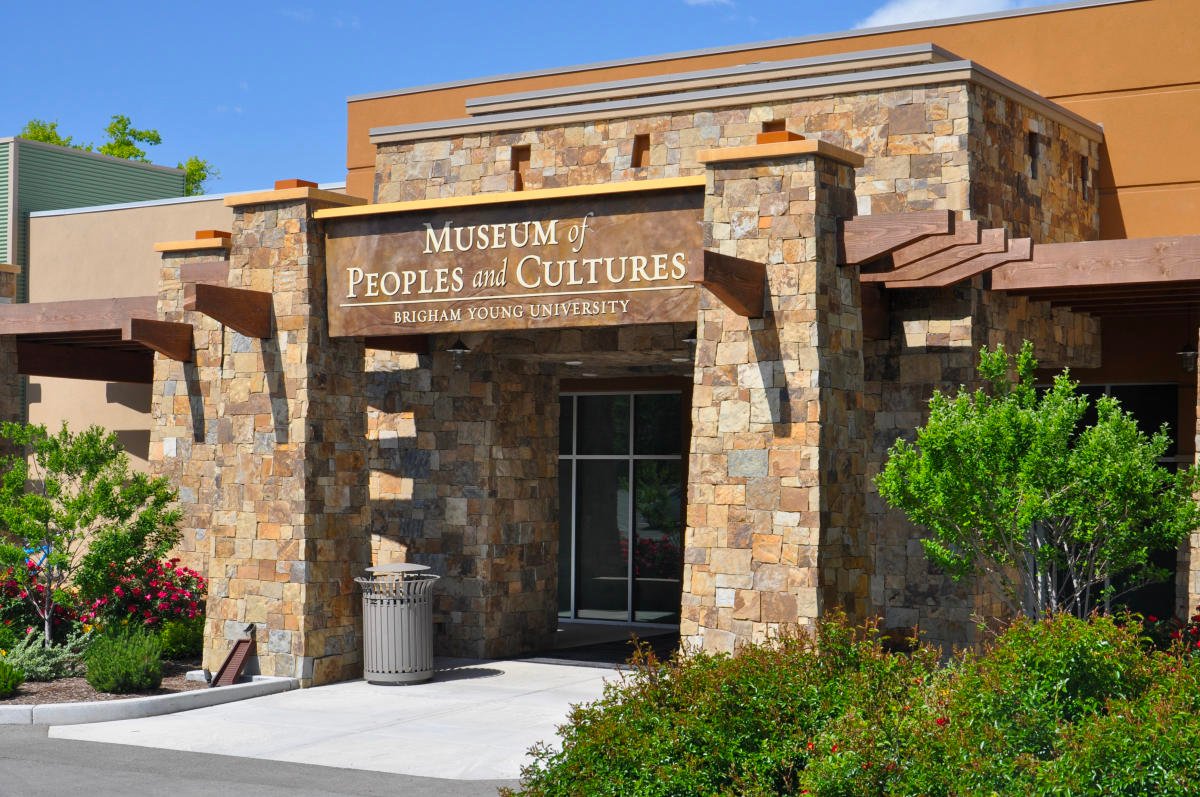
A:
127	142
61	493
196	172
124	138
47	132
1014	488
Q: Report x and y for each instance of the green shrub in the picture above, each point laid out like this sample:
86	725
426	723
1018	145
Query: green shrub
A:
41	663
125	662
8	638
11	679
712	723
1138	747
182	639
1062	707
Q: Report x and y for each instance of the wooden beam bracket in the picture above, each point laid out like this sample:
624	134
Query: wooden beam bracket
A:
168	338
866	238
740	284
246	311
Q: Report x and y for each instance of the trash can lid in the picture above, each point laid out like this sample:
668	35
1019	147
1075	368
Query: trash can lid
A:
399	567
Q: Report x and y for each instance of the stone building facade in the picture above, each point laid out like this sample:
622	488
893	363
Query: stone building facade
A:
316	457
305	454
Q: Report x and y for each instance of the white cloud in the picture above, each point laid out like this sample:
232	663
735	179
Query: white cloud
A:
708	2
897	12
298	14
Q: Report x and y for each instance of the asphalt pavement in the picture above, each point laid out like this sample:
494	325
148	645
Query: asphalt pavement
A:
34	765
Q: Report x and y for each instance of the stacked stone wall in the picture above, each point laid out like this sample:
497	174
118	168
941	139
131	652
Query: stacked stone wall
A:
957	146
1056	201
775	474
464	458
183	413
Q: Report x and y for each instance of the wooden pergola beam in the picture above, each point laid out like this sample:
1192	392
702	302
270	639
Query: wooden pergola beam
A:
69	362
168	338
248	312
740	284
1088	264
84	315
865	238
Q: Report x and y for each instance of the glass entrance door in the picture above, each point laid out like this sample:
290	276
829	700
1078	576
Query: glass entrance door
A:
621	507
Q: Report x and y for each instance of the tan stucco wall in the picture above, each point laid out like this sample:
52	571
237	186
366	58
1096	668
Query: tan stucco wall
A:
1131	67
102	254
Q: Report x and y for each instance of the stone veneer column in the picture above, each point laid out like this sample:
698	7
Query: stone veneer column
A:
183	408
291	524
775	494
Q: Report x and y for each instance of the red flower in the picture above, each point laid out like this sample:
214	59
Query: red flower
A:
942	722
1151	618
1176	635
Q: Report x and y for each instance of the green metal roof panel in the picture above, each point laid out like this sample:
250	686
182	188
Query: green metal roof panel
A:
5	193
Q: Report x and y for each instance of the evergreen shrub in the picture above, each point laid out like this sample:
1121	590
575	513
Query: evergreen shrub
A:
125	662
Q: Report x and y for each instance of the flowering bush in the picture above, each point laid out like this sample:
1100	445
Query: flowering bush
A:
158	592
17	611
1169	633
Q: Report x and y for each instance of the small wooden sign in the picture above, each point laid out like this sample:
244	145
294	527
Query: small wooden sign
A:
577	262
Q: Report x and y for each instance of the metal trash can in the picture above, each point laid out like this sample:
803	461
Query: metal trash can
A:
397	624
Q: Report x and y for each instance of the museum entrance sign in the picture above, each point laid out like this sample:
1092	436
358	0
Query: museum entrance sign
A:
525	263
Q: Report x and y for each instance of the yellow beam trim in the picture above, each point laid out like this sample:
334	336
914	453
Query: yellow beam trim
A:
507	197
195	245
782	149
9	268
290	195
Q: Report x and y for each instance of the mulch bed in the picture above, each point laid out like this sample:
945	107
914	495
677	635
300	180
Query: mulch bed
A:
78	690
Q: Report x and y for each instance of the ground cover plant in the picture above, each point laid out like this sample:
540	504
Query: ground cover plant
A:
42	662
1060	706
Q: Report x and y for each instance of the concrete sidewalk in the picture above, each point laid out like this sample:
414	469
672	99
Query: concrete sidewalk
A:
475	721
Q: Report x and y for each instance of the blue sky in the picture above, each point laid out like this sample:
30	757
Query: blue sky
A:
259	88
